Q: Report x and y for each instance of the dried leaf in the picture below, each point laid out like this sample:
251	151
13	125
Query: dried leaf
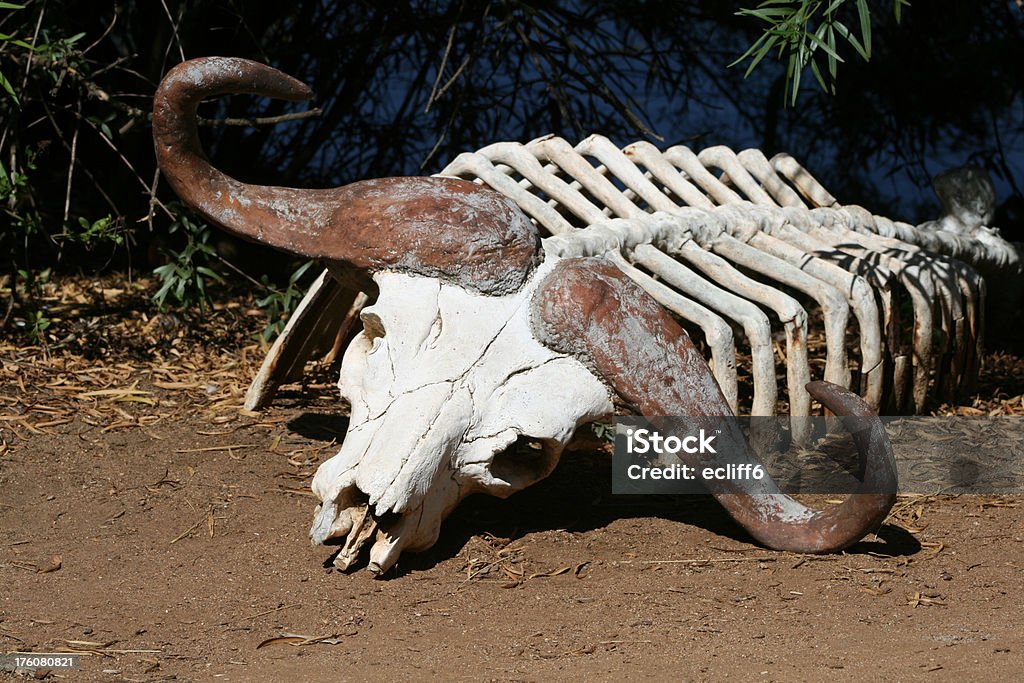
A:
554	572
511	573
177	385
92	644
920	600
298	639
282	640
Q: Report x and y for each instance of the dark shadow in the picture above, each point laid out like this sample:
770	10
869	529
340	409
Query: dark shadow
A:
577	497
358	565
894	541
320	426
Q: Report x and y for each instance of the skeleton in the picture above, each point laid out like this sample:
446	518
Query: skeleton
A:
481	337
683	225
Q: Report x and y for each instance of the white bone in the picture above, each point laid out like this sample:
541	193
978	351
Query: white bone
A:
431	420
984	246
754	321
790	313
440	382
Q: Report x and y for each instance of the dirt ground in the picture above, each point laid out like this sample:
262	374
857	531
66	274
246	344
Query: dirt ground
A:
151	525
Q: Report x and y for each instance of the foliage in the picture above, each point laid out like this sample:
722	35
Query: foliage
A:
81	109
8	40
404	87
280	302
605	431
31	284
800	43
184	278
37	325
48	100
106	229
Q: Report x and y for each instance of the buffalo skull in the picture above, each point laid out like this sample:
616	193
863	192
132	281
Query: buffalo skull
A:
478	342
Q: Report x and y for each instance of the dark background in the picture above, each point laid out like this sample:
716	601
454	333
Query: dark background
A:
405	86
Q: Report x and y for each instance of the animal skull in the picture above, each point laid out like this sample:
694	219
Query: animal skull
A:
443	383
479	339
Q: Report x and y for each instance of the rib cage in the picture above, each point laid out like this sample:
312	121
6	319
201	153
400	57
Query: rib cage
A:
743	250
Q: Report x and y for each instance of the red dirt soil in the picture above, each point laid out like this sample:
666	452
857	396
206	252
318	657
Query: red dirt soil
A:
151	525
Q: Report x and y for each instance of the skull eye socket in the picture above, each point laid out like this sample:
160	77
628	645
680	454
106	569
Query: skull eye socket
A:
372	325
525	461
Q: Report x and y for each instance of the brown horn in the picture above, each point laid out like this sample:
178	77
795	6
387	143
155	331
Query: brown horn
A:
588	308
438	227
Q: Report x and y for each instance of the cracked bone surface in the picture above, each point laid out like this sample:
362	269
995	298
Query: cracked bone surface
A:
443	384
483	348
750	252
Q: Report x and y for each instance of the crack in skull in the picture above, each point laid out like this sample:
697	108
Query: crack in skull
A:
450	381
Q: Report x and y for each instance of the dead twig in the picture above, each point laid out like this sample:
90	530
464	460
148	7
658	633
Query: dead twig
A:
187	532
209	449
271	611
262	120
764	558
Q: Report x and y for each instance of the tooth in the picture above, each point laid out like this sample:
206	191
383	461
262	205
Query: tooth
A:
342	524
323	521
364	526
384	553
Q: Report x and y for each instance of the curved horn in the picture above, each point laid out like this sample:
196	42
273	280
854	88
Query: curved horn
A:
588	308
438	227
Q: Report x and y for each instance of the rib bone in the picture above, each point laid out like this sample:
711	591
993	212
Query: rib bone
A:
747	250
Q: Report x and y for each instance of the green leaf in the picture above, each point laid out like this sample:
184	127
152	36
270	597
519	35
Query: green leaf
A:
834	5
210	273
833	64
821	81
750	50
802	28
299	272
265	301
765	14
759	56
7	38
160	297
841	29
864	14
828	49
897	9
10	90
790	68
